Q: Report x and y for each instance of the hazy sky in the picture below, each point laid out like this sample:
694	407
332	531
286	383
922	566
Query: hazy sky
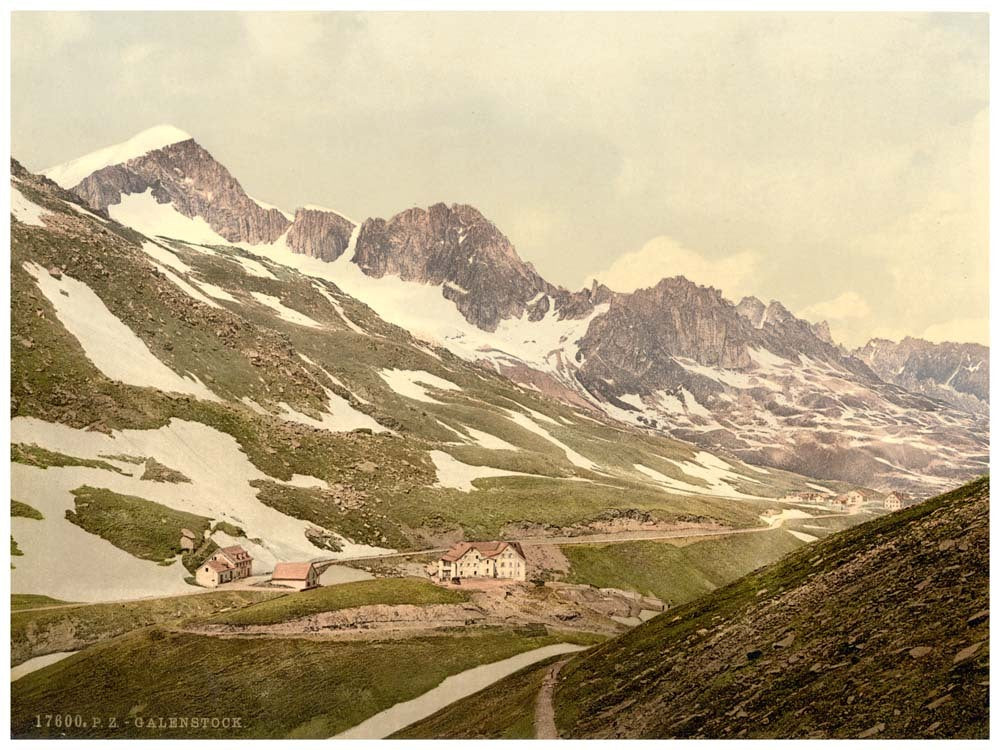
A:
836	162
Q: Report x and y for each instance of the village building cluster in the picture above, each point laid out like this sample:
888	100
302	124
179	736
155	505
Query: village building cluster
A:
853	501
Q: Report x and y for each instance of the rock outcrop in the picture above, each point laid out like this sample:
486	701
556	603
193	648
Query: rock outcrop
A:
320	234
186	176
458	248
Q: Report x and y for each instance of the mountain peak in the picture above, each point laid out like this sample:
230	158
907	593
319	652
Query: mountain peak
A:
73	172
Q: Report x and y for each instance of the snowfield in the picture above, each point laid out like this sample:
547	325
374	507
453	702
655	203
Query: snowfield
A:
71	173
141	212
110	344
220	475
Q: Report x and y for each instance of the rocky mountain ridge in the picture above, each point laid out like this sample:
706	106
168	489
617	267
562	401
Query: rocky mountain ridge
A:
956	373
676	357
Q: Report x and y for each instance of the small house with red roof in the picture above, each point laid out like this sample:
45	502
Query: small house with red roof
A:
295	575
483	560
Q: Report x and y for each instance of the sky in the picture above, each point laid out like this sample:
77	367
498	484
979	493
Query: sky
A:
835	162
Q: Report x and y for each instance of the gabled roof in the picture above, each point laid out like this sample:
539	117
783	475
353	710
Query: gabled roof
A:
235	553
291	571
219	566
486	549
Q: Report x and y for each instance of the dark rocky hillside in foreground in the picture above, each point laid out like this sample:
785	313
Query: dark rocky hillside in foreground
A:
880	631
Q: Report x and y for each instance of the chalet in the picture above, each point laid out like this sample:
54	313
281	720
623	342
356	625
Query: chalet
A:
225	565
212	573
295	575
236	556
483	560
896	500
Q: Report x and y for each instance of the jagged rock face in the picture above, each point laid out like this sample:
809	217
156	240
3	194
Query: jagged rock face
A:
185	175
458	248
956	373
634	344
320	234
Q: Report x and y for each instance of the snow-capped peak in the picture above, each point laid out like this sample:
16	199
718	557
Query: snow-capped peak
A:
73	172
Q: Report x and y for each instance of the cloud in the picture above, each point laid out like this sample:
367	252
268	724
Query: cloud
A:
663	256
962	330
841	307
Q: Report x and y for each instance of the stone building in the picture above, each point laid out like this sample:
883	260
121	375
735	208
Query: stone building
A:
483	560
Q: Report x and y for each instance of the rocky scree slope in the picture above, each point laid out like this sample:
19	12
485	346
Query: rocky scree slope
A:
879	631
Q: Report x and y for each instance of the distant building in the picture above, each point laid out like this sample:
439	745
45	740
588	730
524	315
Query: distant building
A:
295	575
850	501
187	540
806	497
896	500
225	565
483	560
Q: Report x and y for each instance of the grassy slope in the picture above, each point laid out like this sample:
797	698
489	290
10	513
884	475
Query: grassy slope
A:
343	596
676	574
280	687
506	712
44	631
147	530
243	350
855	605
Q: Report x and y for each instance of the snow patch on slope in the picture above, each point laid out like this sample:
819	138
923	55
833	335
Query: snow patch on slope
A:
574	458
454	474
24	210
110	344
340	416
220	473
411	384
285	313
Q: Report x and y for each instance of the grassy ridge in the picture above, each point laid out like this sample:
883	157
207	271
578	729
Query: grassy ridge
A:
44	631
878	629
280	688
676	573
343	596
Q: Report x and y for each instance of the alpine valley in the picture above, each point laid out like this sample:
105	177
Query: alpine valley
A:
192	368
